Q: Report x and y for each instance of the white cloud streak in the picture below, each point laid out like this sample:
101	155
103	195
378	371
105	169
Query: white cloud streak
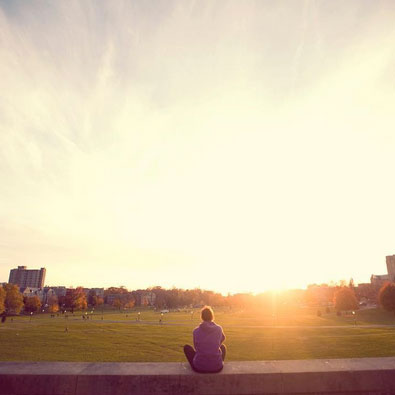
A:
150	139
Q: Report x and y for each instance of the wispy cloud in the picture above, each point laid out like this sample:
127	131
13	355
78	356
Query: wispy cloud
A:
158	136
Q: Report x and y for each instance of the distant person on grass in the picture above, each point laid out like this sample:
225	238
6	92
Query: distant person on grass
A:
209	352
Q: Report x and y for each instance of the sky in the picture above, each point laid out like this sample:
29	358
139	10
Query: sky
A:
236	146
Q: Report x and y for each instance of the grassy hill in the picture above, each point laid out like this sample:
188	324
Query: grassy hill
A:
115	336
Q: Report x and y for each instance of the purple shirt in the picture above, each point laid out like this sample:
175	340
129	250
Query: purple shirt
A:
207	338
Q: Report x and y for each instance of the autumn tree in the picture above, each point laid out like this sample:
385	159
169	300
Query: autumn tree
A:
75	299
117	303
99	301
2	299
53	305
32	304
13	302
345	299
387	297
80	302
130	304
115	290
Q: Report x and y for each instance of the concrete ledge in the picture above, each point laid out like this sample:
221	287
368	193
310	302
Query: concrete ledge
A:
331	376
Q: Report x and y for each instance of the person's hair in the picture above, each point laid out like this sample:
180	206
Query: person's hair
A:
207	313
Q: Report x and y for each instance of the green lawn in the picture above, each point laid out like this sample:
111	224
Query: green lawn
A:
250	336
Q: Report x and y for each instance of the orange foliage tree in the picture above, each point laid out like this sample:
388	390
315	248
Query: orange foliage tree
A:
13	302
53	305
345	299
130	304
76	299
117	303
99	301
32	304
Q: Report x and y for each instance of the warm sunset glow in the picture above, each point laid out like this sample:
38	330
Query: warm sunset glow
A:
233	146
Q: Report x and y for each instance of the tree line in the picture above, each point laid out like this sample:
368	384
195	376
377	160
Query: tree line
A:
342	297
13	302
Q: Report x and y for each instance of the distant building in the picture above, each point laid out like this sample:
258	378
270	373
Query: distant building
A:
98	291
110	298
48	294
27	278
366	292
59	291
31	291
378	280
390	261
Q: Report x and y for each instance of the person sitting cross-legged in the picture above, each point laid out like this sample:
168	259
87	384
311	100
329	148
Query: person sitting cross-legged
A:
209	352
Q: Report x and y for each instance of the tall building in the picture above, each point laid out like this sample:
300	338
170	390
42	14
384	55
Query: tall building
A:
390	260
27	278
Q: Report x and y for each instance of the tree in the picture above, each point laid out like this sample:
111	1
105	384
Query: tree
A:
130	304
32	304
13	302
115	291
117	303
76	299
345	299
53	305
92	298
2	299
62	301
387	297
99	301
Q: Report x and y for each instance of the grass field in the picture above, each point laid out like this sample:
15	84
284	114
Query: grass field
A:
116	336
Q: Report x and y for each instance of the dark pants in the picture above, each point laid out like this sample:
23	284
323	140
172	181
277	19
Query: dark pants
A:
190	353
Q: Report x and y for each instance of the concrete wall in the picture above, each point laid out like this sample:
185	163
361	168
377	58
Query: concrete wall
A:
332	376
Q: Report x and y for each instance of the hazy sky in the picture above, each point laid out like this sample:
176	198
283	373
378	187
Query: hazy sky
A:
231	145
